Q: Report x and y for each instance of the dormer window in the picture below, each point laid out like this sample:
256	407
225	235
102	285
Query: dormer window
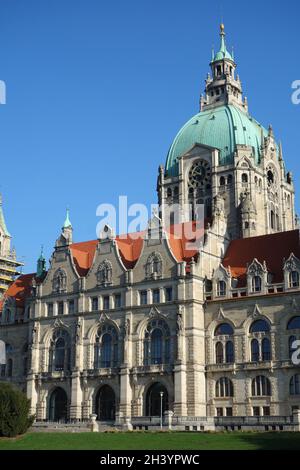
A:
256	284
221	292
294	279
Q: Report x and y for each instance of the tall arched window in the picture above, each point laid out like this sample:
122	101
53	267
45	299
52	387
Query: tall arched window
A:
294	279
219	353
224	346
260	341
261	386
157	343
244	178
254	350
295	385
224	388
106	347
60	351
229	350
266	349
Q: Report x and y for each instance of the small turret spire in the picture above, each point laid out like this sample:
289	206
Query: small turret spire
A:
67	223
2	220
41	264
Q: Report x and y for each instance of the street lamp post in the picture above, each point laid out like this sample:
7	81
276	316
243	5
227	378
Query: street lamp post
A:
161	409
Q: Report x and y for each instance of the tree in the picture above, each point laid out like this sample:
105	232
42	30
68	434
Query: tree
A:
14	411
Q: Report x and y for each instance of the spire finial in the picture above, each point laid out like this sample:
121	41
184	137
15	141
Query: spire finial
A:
67	222
222	29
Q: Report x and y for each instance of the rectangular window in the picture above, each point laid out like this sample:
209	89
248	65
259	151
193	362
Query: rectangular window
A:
50	310
266	411
156	296
94	304
60	308
256	411
71	307
220	412
106	302
143	297
229	412
169	294
118	302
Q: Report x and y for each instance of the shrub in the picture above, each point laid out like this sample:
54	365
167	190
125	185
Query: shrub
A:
14	411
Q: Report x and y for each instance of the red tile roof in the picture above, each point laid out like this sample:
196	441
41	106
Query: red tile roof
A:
19	289
272	249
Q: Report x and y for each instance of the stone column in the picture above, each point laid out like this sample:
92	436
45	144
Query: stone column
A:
76	397
125	391
180	398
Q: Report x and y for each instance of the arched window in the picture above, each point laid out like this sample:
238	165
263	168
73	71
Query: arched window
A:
221	292
224	329
224	388
106	347
254	350
260	326
244	178
169	194
295	385
270	177
219	353
256	284
261	386
222	181
260	342
60	353
294	324
294	279
266	349
157	343
292	339
229	352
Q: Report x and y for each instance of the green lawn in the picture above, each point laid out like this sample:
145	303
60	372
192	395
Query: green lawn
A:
153	441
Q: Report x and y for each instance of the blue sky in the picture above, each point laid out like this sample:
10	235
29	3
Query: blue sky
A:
96	91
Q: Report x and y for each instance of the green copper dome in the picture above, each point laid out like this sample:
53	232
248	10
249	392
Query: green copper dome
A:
223	128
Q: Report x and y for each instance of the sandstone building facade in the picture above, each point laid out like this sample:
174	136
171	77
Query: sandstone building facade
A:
128	328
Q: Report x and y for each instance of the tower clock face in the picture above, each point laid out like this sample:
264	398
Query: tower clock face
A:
199	174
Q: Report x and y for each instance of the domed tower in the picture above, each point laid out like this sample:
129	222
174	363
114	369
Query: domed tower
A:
223	150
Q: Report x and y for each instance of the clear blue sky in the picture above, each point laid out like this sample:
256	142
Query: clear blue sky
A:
96	91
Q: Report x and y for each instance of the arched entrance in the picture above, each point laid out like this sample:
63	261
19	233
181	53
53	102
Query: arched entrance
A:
155	403
105	404
58	405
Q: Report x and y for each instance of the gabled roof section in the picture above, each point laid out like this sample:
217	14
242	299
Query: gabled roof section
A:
83	254
273	249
